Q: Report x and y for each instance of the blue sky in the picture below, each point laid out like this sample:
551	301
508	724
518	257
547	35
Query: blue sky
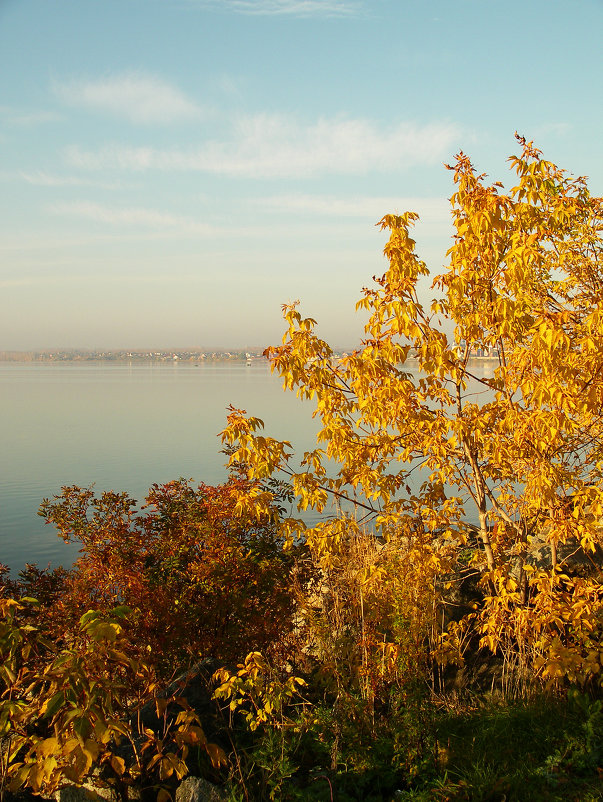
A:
172	171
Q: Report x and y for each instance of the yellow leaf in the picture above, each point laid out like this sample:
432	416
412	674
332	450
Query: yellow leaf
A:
216	754
118	765
49	746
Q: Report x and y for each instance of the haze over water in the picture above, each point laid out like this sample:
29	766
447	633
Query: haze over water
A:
122	427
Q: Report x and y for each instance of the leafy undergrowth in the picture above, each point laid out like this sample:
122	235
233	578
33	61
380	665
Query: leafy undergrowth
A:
549	748
544	750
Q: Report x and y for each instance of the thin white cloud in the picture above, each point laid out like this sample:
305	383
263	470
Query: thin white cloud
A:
136	97
43	179
293	8
24	117
131	217
430	210
273	146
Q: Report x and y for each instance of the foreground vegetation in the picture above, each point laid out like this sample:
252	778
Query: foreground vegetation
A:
394	650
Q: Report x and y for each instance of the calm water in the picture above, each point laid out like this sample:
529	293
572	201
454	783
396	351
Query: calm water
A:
122	427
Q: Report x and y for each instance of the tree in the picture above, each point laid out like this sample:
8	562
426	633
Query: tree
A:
520	451
198	579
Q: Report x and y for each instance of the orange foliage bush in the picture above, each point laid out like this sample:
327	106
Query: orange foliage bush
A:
200	581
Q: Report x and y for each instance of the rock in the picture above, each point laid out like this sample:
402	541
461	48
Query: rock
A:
570	555
91	792
196	789
84	793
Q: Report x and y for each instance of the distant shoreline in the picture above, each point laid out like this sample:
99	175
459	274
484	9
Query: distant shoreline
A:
169	356
128	356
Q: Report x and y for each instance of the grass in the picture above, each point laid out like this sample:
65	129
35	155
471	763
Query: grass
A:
542	750
548	749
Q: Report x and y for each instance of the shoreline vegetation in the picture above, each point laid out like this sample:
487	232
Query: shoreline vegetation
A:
390	651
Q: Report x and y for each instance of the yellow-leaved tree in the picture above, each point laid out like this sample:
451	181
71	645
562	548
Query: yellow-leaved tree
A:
505	457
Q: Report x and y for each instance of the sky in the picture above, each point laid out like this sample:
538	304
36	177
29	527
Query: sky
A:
173	171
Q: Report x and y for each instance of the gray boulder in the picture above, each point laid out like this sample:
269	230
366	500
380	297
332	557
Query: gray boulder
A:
196	789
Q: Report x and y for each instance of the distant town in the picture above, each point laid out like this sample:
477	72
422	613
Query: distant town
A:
187	355
85	355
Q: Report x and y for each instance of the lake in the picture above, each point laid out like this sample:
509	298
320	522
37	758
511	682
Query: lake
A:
121	426
124	426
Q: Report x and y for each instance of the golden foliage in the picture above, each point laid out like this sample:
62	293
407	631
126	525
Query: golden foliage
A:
519	452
